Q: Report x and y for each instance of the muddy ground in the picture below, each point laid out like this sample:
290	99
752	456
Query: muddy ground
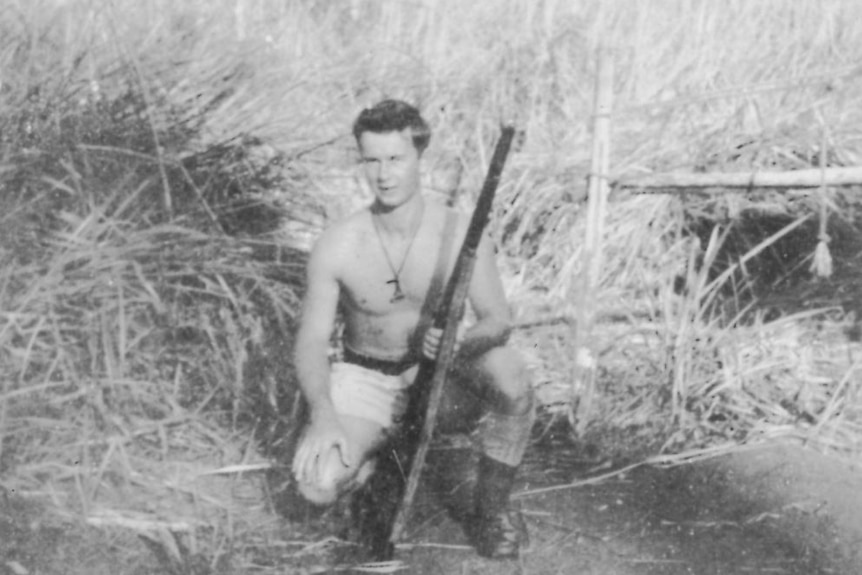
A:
776	509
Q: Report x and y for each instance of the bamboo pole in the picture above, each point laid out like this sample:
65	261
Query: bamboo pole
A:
812	178
584	364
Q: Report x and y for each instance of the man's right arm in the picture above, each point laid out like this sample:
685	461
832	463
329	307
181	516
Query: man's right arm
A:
315	328
312	363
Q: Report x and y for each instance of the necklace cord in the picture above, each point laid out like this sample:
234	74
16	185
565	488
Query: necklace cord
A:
397	272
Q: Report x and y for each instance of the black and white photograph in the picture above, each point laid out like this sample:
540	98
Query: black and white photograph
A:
502	287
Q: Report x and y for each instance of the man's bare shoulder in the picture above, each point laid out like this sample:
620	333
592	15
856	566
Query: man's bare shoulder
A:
335	248
437	214
342	234
461	224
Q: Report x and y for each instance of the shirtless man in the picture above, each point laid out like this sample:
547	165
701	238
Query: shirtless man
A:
383	267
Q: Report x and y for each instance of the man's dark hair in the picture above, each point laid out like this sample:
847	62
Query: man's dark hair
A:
393	116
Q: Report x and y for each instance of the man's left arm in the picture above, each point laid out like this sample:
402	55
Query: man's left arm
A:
488	300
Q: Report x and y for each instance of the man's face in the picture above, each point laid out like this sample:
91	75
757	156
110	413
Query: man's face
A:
391	165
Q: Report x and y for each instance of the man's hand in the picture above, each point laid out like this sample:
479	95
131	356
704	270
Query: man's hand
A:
433	337
322	435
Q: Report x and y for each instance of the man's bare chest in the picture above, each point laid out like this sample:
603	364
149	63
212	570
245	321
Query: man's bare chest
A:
377	281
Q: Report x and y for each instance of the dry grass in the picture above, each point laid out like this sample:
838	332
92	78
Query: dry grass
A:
145	308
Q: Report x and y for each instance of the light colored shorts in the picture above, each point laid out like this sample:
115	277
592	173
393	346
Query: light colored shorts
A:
369	394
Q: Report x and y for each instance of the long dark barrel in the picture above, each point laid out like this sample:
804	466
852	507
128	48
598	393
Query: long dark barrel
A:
420	428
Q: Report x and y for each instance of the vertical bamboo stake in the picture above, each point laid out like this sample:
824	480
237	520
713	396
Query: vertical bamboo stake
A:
584	365
239	19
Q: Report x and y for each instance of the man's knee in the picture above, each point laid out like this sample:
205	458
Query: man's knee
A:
323	488
333	480
318	493
507	376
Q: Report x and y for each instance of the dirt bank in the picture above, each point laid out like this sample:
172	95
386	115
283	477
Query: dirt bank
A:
778	508
822	493
775	509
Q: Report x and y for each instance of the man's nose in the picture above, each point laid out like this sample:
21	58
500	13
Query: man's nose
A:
384	171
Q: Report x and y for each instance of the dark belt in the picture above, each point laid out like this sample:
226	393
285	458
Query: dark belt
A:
384	366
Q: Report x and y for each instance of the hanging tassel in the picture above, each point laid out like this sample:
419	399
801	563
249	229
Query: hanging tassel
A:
822	264
734	206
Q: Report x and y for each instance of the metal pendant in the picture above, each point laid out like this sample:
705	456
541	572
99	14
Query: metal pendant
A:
398	295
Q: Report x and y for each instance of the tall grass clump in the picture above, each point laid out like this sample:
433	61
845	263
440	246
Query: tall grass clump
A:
147	299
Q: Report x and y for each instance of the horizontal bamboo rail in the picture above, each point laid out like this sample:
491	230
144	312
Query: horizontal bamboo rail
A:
811	178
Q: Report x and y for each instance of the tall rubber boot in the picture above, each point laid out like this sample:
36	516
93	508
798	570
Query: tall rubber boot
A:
496	532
